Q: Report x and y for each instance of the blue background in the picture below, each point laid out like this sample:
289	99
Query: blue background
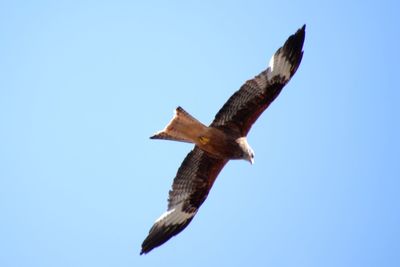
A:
83	84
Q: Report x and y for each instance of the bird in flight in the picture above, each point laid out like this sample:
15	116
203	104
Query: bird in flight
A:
223	140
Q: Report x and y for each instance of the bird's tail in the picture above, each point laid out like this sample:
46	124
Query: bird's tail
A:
183	127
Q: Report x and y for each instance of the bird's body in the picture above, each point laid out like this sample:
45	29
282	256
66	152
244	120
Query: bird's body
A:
223	140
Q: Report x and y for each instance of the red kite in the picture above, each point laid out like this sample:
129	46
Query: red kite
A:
223	140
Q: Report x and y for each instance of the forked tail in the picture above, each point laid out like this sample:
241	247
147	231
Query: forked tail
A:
183	127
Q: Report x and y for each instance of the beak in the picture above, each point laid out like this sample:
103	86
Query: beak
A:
251	161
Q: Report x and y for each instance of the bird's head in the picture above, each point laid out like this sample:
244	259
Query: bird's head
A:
247	152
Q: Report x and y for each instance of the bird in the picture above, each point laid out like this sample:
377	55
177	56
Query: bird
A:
223	140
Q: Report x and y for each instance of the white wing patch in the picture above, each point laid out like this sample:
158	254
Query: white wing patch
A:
174	216
279	66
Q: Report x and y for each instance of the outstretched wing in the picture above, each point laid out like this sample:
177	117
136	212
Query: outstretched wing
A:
190	188
246	105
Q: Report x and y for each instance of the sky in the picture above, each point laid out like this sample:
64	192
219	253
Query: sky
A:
83	84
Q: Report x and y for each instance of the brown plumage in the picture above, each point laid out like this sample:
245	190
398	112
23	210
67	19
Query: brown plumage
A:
223	140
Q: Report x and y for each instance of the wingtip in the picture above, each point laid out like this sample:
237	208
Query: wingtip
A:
299	36
297	39
145	248
286	60
293	48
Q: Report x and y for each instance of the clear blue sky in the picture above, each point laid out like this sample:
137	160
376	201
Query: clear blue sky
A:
83	84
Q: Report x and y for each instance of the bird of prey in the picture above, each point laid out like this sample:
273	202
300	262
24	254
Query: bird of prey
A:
223	140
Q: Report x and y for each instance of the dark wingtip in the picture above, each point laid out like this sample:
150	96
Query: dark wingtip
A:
295	42
159	235
293	48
